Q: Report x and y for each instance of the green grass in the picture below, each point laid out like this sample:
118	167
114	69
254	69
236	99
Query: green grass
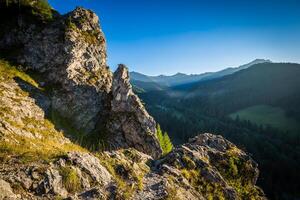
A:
8	71
47	147
135	171
70	179
267	115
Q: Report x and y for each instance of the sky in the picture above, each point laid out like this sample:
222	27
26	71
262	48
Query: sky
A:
194	36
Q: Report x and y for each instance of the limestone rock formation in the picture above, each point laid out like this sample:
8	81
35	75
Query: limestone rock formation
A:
68	58
70	53
208	167
130	124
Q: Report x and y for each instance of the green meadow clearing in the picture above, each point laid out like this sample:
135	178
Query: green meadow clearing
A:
267	115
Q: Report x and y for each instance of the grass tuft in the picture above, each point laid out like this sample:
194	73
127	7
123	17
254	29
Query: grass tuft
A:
70	178
8	71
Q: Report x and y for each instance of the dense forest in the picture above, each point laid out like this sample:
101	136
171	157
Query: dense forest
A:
187	110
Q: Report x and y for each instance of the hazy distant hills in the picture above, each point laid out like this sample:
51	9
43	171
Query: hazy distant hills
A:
162	81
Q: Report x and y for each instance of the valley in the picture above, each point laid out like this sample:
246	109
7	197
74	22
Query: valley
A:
265	115
256	107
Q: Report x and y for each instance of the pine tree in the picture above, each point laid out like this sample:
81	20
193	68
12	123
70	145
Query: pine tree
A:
164	140
159	135
168	146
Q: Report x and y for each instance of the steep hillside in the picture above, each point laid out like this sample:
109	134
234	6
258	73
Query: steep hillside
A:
72	129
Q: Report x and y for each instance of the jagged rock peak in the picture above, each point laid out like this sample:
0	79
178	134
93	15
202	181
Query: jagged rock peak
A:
86	44
87	18
121	88
130	123
70	52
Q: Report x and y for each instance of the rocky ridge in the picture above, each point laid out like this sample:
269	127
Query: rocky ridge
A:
68	57
60	95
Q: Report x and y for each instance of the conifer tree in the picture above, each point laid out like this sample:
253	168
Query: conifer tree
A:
168	146
164	140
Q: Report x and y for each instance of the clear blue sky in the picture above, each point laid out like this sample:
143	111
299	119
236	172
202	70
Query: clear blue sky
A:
194	36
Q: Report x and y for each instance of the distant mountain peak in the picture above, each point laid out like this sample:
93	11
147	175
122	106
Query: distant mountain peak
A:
179	74
260	60
254	62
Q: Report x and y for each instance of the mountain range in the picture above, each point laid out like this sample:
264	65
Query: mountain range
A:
162	81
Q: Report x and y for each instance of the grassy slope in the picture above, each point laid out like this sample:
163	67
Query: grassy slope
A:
267	115
28	149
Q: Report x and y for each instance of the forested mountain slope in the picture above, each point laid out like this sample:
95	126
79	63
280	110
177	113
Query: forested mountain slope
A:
239	107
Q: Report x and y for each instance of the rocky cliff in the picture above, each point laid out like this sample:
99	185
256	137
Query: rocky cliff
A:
72	129
68	58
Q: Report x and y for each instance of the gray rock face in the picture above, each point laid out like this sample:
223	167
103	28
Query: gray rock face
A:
38	180
130	124
70	52
52	183
6	192
208	167
91	166
79	66
93	194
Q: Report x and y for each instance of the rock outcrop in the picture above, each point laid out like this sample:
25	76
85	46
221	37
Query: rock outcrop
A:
130	124
214	168
208	167
59	90
68	58
69	53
